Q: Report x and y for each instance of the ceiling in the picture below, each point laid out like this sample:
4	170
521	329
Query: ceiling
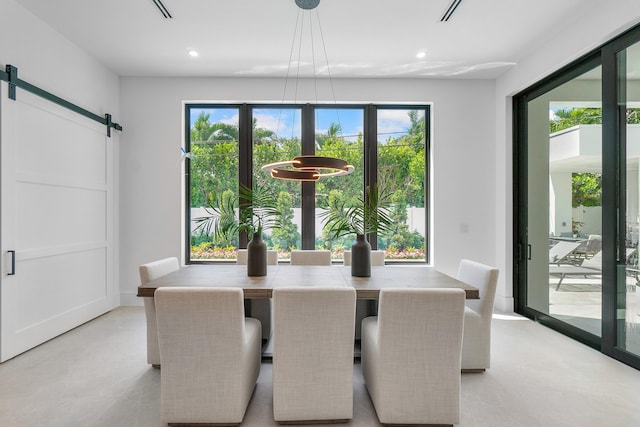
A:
362	38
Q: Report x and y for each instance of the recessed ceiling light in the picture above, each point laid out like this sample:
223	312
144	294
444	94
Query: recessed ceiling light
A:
193	53
421	55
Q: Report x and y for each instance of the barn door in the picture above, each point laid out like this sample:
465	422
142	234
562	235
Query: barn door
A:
56	221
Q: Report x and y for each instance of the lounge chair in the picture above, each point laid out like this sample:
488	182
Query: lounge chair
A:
561	252
589	267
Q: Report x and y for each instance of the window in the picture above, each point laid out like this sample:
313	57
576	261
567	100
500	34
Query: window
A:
213	144
401	166
338	133
276	137
228	144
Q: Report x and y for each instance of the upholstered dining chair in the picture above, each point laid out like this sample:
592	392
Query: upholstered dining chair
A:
411	356
272	257
377	258
313	354
151	271
210	355
310	257
362	306
260	307
476	347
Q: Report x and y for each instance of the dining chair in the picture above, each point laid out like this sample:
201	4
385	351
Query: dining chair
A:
313	354
210	355
310	257
260	308
148	272
362	306
272	257
476	348
377	258
411	355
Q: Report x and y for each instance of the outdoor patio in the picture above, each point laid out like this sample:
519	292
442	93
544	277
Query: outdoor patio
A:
578	302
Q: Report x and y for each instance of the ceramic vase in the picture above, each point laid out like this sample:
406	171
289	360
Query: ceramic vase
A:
256	256
361	257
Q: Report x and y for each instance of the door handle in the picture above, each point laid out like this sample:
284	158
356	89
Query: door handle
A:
13	263
529	252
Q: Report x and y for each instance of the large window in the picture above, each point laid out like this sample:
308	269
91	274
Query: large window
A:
228	144
213	146
401	164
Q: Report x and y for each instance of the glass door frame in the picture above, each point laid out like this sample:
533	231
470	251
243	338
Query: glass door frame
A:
613	193
615	129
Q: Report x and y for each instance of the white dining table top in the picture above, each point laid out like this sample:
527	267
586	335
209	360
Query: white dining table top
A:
285	275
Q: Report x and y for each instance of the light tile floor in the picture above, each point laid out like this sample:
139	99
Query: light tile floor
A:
96	375
579	303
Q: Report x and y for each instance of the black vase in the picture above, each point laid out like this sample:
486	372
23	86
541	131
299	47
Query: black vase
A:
256	256
361	257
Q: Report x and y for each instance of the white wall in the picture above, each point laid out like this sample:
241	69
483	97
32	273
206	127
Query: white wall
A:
151	187
48	60
592	27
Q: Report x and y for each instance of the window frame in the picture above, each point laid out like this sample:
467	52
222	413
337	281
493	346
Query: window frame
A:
308	113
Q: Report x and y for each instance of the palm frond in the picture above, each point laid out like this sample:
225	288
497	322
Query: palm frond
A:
259	208
221	220
370	215
225	217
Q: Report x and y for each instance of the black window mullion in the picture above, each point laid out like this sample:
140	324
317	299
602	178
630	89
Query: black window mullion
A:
371	156
308	188
245	157
187	184
427	183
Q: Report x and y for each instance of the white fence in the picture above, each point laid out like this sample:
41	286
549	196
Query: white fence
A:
416	219
591	219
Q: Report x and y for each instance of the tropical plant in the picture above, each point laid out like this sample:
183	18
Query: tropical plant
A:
257	210
286	235
370	215
586	189
567	117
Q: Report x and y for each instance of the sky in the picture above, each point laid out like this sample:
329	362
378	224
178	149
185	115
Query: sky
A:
285	122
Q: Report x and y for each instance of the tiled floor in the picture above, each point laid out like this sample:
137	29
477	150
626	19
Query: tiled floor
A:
96	375
578	302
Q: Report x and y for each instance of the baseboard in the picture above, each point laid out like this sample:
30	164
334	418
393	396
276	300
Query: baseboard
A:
130	299
504	304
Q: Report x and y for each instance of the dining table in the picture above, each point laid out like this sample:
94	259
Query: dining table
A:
286	275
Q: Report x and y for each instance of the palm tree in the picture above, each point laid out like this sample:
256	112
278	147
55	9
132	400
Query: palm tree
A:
334	131
224	132
569	117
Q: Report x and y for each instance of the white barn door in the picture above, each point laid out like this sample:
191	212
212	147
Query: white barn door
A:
56	221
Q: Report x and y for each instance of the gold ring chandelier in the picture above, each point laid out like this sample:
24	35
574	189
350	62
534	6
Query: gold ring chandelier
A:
308	168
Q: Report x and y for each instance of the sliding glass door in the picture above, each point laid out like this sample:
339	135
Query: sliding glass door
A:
628	278
577	199
564	221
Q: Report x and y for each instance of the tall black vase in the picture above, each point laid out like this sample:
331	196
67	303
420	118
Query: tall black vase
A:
361	257
256	256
